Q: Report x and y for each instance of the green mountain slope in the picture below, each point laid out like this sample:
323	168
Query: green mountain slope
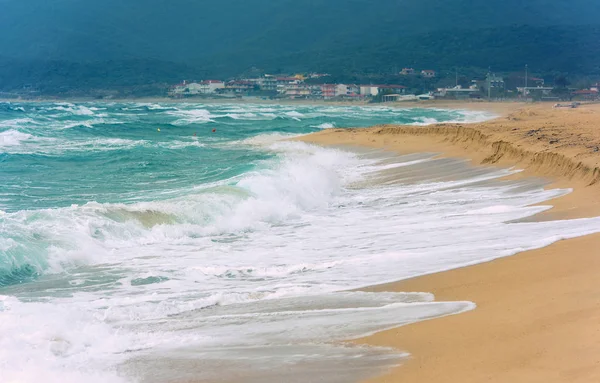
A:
111	40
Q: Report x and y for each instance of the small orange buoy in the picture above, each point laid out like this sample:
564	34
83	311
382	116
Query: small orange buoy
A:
214	130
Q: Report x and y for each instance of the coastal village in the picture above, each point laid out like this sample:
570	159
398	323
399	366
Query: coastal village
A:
315	86
405	85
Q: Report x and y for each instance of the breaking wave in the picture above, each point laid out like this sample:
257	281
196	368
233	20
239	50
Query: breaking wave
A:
130	237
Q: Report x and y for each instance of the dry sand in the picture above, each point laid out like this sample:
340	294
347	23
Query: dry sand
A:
538	313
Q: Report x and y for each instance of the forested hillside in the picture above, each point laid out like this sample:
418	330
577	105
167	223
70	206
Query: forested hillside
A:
79	43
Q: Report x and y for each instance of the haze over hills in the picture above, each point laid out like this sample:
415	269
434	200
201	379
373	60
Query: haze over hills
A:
122	42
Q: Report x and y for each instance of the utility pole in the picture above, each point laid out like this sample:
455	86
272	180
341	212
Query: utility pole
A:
489	84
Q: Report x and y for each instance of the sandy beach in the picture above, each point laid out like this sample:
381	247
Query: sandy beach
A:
537	312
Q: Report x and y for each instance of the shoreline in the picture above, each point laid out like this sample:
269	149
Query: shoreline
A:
536	316
498	107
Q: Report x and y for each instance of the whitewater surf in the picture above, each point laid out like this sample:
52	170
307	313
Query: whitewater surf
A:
137	245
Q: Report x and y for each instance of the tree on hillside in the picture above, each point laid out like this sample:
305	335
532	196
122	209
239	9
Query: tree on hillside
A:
561	81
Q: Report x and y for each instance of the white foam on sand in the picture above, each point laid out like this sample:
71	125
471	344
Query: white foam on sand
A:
252	272
269	256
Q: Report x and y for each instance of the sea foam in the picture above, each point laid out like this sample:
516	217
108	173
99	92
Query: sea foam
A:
234	248
13	138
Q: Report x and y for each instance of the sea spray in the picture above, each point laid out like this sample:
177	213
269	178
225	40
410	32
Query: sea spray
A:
129	254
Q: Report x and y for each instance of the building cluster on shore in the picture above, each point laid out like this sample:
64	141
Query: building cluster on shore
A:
292	87
315	86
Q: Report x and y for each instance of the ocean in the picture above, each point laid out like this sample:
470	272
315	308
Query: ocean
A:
185	242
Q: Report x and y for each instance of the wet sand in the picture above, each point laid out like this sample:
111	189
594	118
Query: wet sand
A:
538	312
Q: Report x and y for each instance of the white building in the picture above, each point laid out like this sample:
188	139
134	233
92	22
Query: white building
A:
534	90
374	90
186	89
196	88
296	90
211	86
347	90
457	92
268	82
369	90
178	90
341	90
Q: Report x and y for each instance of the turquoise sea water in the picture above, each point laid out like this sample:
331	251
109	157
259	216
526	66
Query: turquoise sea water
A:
64	155
139	245
56	155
